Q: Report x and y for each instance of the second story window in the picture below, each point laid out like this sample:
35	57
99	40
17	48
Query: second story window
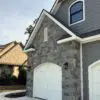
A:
76	12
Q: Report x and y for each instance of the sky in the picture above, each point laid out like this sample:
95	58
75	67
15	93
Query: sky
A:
17	15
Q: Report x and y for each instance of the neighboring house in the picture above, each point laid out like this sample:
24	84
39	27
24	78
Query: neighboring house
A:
64	52
12	58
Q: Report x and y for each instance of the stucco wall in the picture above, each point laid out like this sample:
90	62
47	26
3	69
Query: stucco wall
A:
91	53
65	55
92	15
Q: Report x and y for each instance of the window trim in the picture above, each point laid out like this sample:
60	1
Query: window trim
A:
69	23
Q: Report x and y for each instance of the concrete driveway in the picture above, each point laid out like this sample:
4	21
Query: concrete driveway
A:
2	96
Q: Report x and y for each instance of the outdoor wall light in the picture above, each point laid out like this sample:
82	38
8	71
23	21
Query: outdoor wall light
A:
66	65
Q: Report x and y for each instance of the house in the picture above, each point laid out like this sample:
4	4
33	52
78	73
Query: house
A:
12	58
64	52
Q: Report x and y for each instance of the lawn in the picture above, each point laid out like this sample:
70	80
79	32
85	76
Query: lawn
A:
10	88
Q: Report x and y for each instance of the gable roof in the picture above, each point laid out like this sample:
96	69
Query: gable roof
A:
38	24
5	48
56	6
89	37
12	54
2	47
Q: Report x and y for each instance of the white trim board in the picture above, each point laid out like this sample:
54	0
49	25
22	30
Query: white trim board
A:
66	40
81	40
81	69
91	39
42	16
55	7
29	50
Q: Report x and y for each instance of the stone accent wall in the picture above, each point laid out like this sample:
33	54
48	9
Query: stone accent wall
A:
66	55
29	83
71	74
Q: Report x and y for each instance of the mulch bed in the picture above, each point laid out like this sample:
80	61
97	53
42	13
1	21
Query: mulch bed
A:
16	95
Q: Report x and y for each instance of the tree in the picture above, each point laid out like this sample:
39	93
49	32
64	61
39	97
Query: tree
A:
30	28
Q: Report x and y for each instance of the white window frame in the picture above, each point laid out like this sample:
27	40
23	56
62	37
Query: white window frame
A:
83	13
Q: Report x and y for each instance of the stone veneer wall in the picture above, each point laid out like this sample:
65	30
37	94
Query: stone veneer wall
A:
29	83
66	55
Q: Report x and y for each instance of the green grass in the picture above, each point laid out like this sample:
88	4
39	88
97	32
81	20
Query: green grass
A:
11	88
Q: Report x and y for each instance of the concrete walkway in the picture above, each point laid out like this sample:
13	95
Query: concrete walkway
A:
2	96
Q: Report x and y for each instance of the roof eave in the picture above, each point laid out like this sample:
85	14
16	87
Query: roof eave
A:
55	7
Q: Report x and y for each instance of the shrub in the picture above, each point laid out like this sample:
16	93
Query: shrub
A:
22	76
13	80
5	79
8	79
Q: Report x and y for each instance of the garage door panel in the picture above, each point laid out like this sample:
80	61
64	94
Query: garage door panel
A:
48	82
97	97
94	82
96	75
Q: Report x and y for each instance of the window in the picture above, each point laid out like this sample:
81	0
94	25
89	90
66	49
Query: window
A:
76	12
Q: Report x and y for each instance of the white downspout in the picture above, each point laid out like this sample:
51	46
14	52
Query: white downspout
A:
81	70
29	50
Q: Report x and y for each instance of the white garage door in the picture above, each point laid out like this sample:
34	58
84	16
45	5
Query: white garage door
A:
48	82
94	82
